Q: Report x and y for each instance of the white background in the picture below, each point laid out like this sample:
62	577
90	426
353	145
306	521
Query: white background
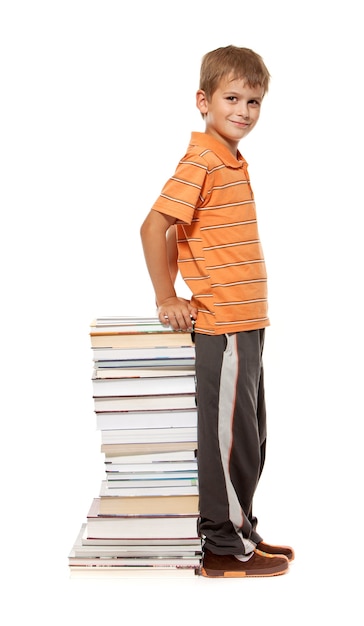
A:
97	105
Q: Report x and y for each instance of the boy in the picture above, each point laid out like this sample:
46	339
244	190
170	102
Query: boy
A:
207	211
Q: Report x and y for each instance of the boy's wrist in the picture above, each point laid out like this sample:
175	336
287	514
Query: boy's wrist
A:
163	301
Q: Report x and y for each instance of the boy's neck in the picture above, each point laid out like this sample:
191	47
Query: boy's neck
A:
232	146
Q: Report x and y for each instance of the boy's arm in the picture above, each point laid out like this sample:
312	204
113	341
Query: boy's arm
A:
172	310
172	252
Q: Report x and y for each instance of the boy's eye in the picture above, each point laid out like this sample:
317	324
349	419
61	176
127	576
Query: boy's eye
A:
231	98
254	103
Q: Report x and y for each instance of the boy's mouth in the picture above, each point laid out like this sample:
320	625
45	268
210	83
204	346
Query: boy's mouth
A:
240	124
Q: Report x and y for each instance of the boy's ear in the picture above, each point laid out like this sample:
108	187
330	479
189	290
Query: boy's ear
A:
201	102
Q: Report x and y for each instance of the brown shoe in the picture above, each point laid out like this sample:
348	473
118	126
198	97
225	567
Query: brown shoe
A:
227	566
266	548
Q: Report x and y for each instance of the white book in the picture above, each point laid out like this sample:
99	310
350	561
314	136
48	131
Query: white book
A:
146	419
142	403
177	455
189	479
159	490
111	476
140	385
145	435
83	547
160	543
159	352
159	363
141	372
168	466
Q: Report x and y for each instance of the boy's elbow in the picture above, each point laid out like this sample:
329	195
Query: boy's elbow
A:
144	229
155	225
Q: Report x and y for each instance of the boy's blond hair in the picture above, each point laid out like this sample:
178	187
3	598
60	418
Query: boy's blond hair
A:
234	63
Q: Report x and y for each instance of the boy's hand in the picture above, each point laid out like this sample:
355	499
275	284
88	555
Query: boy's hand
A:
177	313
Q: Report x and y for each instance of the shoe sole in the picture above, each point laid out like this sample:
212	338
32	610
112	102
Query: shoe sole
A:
237	574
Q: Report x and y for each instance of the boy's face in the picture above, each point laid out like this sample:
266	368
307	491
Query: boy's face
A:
232	111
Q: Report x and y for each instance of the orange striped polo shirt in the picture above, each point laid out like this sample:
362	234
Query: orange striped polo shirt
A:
219	252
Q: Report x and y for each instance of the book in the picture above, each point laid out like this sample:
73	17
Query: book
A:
135	562
124	319
163	491
159	363
129	325
110	476
145	435
146	526
159	487
148	505
177	455
110	449
113	373
167	466
142	385
157	543
124	485
119	420
105	404
140	340
88	547
83	572
151	353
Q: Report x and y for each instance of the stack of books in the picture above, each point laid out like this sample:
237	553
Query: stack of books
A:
144	520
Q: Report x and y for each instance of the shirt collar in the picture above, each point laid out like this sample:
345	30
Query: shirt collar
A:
210	143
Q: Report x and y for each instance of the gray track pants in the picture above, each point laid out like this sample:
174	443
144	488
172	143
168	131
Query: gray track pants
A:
231	437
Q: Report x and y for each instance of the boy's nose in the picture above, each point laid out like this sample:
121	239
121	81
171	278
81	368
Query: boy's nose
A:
244	111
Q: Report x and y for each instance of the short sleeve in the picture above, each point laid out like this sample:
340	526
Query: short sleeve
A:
182	192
